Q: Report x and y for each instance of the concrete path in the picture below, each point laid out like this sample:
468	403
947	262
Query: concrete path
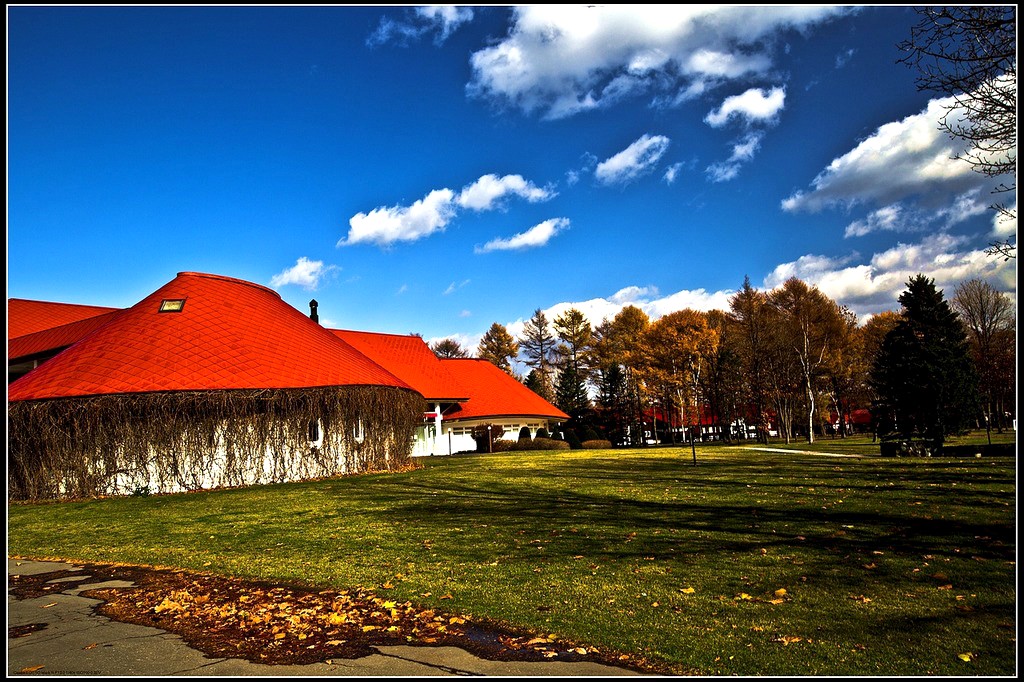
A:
59	634
800	452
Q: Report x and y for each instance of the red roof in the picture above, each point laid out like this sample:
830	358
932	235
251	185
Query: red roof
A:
55	338
493	393
25	316
410	358
230	334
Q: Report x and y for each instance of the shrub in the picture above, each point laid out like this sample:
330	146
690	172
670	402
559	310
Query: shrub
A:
573	440
588	433
596	444
543	433
548	444
535	444
524	434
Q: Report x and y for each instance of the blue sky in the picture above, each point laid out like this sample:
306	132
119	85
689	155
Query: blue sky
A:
434	170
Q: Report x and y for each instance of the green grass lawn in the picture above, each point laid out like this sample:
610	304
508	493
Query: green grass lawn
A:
889	566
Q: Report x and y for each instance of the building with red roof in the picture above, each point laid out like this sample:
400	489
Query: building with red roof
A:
214	381
208	381
495	399
462	394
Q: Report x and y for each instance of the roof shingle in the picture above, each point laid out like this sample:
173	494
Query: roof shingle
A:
231	334
493	393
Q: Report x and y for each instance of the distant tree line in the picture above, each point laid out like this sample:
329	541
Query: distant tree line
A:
789	362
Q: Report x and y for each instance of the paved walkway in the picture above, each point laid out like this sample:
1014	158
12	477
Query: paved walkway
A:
801	452
59	634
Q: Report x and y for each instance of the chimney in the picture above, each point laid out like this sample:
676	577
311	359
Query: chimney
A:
312	311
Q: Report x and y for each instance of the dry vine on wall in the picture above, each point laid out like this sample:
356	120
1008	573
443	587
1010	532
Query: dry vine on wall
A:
70	448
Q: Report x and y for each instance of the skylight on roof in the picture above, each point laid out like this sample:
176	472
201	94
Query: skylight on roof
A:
172	305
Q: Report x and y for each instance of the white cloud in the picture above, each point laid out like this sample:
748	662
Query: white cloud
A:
866	288
892	218
844	57
871	287
484	194
672	172
646	298
633	161
742	152
455	286
305	273
902	159
538	235
389	224
386	225
754	105
560	60
442	20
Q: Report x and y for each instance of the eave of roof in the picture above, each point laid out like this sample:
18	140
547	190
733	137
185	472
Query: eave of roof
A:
26	316
493	393
49	340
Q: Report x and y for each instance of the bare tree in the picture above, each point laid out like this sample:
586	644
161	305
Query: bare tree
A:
449	348
988	315
969	53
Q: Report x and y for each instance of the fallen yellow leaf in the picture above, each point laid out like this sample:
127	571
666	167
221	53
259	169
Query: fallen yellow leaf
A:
687	590
966	657
781	592
31	669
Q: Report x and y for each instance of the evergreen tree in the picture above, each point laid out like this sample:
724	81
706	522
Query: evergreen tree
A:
538	385
538	347
613	401
571	394
923	376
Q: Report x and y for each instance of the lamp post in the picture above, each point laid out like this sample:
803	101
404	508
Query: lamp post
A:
489	439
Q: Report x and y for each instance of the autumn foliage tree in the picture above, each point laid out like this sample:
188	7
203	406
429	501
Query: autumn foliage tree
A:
498	347
619	350
678	348
812	330
749	313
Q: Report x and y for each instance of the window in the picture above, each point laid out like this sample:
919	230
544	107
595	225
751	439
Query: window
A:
357	431
172	305
314	431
